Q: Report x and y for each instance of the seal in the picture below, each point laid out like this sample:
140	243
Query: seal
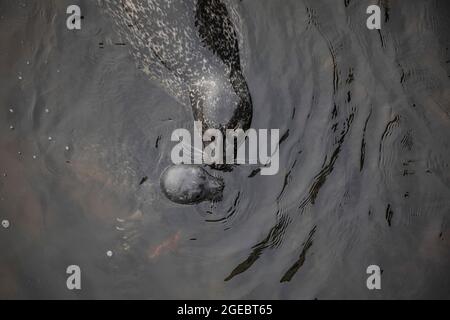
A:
189	184
191	48
217	32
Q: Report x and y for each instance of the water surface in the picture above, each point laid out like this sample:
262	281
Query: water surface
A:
364	159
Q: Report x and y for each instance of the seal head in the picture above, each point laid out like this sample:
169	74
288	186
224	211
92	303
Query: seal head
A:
189	184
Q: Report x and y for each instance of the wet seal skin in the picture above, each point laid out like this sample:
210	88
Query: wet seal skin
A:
191	48
218	34
190	184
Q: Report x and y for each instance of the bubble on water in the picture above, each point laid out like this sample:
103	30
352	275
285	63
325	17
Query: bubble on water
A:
109	253
67	148
50	138
34	157
5	224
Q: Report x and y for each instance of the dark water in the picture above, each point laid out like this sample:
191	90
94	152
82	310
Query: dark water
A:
364	160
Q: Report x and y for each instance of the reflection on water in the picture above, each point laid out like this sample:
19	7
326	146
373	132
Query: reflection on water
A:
364	178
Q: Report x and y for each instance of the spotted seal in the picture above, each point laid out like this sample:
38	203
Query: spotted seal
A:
191	48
